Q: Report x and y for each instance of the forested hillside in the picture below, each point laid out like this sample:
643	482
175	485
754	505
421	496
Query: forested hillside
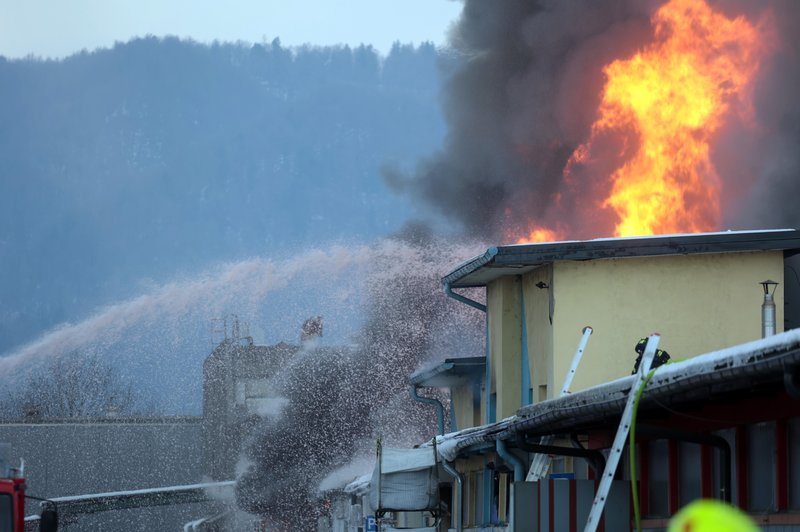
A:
160	156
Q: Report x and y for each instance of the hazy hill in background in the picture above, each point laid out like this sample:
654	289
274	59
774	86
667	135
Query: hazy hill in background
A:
160	156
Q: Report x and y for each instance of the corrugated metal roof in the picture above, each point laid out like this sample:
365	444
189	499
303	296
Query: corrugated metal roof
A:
522	258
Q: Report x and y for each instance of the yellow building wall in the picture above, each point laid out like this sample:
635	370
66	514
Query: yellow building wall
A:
503	298
467	407
539	331
698	303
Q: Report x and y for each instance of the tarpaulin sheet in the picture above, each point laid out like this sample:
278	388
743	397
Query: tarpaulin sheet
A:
405	480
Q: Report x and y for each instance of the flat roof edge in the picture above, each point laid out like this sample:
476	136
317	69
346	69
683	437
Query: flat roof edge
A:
470	266
520	255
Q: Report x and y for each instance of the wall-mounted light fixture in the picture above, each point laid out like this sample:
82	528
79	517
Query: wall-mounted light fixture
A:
541	285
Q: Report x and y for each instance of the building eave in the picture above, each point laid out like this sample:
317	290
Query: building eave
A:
451	372
519	259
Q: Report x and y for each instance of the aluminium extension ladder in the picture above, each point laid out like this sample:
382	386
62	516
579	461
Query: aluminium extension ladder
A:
622	434
541	462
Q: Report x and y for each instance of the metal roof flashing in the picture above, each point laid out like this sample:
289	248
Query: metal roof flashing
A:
517	259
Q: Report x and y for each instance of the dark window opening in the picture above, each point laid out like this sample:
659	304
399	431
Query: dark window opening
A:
6	513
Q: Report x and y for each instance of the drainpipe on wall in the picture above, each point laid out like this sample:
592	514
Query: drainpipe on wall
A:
505	454
465	300
488	381
459	493
435	402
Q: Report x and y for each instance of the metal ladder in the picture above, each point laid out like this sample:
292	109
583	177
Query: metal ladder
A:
541	462
622	434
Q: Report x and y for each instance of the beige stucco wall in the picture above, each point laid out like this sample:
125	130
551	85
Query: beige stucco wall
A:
467	408
505	343
699	303
539	331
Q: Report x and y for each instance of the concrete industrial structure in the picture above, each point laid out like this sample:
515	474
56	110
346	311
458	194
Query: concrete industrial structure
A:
241	387
66	457
236	388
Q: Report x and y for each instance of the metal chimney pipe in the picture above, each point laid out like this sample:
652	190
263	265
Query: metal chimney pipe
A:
768	309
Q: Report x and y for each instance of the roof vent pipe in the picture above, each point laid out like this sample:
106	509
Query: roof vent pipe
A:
768	308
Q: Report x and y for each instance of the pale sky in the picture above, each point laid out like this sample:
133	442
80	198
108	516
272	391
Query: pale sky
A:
58	28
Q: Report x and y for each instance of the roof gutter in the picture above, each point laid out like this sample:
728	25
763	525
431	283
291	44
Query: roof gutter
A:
470	267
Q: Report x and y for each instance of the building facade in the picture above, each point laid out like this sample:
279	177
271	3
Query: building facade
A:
721	421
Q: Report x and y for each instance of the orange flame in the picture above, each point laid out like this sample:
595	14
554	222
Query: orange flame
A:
646	167
540	234
666	103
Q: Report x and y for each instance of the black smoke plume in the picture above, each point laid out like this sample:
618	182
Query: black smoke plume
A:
527	91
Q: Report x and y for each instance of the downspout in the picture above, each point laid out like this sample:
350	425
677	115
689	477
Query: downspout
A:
505	454
488	382
465	300
459	493
519	474
435	402
488	379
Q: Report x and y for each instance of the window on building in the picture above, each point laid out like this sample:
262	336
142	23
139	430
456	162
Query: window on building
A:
690	472
794	463
479	491
657	489
505	496
468	512
761	467
6	518
494	516
730	436
473	499
447	496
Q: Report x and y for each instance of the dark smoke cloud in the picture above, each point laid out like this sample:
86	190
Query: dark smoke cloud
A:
774	160
527	91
